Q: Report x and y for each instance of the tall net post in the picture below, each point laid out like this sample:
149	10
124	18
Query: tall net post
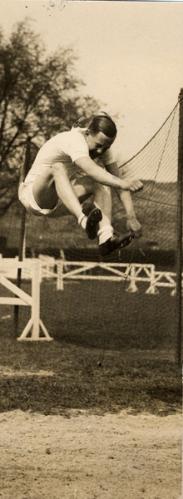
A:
179	232
22	241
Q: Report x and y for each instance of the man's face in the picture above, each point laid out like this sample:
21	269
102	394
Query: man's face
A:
98	144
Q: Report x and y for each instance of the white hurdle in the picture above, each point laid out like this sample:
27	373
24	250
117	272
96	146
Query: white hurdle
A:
142	273
47	266
34	329
132	273
163	280
79	271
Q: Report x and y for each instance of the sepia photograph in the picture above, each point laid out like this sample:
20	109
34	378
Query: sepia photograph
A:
91	182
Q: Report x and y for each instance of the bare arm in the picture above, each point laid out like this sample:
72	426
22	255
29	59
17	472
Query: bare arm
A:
105	177
126	200
125	196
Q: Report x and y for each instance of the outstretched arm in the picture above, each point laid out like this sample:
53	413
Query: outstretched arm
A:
126	200
105	177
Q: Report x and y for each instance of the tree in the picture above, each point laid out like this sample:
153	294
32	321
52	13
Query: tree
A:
40	95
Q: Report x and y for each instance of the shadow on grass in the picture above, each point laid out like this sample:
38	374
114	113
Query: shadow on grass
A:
53	379
111	351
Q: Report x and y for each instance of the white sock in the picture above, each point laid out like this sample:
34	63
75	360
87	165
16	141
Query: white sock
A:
82	219
105	233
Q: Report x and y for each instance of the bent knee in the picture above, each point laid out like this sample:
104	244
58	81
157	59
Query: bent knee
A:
86	184
103	189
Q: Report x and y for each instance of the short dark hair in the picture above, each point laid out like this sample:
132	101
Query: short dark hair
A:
103	123
100	122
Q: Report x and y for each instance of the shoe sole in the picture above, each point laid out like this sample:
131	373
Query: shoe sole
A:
94	217
126	241
121	244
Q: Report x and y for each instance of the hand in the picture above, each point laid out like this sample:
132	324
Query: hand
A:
133	185
134	225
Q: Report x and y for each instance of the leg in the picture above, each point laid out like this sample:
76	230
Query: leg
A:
70	199
44	191
85	187
103	200
108	242
82	188
48	191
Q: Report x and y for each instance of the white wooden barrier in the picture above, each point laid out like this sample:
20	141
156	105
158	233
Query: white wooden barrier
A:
47	265
9	266
140	273
133	273
64	270
164	280
78	271
34	329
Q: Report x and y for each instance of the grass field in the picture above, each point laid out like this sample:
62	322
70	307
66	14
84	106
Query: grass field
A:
96	413
111	350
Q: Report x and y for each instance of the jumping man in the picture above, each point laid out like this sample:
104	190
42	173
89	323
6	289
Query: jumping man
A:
65	172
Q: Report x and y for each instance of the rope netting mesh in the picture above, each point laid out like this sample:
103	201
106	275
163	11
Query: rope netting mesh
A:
155	205
156	164
149	320
157	160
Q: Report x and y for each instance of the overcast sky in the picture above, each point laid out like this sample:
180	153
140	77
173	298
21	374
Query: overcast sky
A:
130	55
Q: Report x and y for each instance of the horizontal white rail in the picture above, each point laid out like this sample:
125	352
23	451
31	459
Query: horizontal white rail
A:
133	273
64	270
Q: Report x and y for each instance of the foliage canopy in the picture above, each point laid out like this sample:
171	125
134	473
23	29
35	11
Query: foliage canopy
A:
40	95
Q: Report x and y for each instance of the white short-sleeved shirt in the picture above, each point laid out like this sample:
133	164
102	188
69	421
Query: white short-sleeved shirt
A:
65	147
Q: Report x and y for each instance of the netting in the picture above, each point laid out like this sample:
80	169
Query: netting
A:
132	305
156	164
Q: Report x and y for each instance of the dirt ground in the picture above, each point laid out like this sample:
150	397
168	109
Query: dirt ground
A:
71	429
87	456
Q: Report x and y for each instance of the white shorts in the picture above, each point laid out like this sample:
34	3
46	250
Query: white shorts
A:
25	195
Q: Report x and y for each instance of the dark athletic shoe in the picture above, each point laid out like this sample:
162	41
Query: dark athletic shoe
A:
93	220
116	242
